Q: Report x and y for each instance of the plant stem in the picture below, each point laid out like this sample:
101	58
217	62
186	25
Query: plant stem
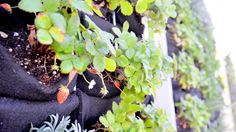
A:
85	79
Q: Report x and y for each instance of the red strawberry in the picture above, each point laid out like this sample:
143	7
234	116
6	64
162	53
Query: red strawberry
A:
93	70
6	6
184	124
117	84
62	94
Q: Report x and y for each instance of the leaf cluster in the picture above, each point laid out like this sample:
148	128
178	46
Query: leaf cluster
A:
194	111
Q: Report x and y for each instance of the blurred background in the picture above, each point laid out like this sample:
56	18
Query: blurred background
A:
222	14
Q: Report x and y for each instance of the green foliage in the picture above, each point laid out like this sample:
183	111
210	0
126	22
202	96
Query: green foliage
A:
78	47
196	66
155	119
186	71
195	111
159	11
201	68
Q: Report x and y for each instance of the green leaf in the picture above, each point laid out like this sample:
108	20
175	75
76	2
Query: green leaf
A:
126	8
58	20
104	121
129	71
63	56
110	117
44	37
58	47
114	106
134	108
68	44
110	64
122	61
51	5
86	60
111	47
66	66
73	25
99	62
80	48
130	53
126	26
29	6
82	6
86	35
141	6
102	47
43	21
57	34
116	31
113	4
96	10
90	47
78	64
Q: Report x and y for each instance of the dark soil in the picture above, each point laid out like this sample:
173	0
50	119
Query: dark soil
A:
36	60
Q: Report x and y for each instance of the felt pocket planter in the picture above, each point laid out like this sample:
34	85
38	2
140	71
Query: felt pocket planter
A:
15	82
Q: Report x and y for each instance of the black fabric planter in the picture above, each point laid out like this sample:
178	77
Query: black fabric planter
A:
15	82
16	115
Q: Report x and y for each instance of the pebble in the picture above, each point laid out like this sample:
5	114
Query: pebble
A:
16	34
3	35
10	49
54	72
28	73
25	67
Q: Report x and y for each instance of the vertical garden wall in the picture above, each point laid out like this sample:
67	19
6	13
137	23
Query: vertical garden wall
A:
90	60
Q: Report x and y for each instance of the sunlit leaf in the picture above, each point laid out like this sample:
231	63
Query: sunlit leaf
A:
126	8
99	62
110	64
82	6
66	66
51	5
57	34
43	21
29	6
44	37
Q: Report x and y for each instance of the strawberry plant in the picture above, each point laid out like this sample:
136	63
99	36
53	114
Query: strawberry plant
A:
80	47
196	65
198	42
194	111
186	71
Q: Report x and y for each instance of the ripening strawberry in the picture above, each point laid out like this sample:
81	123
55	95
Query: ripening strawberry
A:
93	70
6	6
62	94
117	84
